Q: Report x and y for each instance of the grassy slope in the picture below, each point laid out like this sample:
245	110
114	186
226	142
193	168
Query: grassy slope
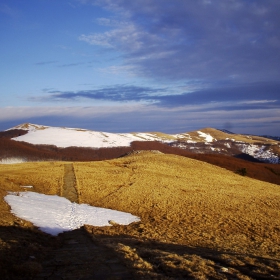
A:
187	200
195	217
14	149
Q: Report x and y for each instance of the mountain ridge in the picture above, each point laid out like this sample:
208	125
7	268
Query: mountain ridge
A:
206	140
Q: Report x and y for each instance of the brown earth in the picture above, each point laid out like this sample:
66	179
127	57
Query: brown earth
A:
198	221
69	189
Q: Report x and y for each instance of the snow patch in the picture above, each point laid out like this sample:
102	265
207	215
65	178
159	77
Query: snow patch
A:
227	145
73	137
259	152
208	137
67	137
12	160
54	214
191	142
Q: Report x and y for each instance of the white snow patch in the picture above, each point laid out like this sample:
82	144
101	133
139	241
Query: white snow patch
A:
181	136
54	214
181	146
12	160
67	137
227	145
29	187
191	142
215	149
232	139
259	152
208	137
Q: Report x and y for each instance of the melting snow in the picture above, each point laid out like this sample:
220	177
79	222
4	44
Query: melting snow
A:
208	137
191	142
54	214
259	152
227	145
233	140
12	160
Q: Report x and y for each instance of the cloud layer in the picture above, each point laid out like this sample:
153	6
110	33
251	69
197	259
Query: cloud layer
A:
179	40
250	96
139	118
118	65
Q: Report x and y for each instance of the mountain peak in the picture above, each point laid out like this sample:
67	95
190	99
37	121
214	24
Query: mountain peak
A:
28	126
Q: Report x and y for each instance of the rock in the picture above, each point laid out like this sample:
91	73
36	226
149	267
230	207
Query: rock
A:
113	223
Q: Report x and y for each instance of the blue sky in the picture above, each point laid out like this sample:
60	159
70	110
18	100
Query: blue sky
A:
142	65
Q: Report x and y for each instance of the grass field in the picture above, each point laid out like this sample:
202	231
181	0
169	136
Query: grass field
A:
198	221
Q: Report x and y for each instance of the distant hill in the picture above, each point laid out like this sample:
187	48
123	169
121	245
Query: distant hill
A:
204	141
233	152
277	138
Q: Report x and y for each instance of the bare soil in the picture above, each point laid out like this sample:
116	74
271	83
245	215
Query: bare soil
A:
198	221
69	190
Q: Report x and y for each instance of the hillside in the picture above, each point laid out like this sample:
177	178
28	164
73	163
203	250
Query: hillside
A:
198	221
207	140
15	151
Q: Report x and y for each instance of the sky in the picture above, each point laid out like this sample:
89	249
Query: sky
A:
144	65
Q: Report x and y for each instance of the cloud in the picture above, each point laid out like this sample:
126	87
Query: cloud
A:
71	64
117	93
232	97
127	38
248	108
265	95
182	40
41	63
137	117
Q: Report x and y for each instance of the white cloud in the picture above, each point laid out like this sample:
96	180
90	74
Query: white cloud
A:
141	118
127	37
258	101
198	40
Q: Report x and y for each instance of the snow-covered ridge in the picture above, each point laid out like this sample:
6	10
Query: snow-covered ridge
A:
66	137
200	141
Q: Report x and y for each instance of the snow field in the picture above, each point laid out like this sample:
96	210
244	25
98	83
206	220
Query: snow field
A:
54	214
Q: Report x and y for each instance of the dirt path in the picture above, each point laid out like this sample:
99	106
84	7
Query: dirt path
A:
69	190
79	257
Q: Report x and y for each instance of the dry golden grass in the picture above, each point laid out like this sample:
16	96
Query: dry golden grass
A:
186	201
198	221
44	177
219	135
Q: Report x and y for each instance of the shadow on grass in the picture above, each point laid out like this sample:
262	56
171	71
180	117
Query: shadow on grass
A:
152	259
31	254
22	251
